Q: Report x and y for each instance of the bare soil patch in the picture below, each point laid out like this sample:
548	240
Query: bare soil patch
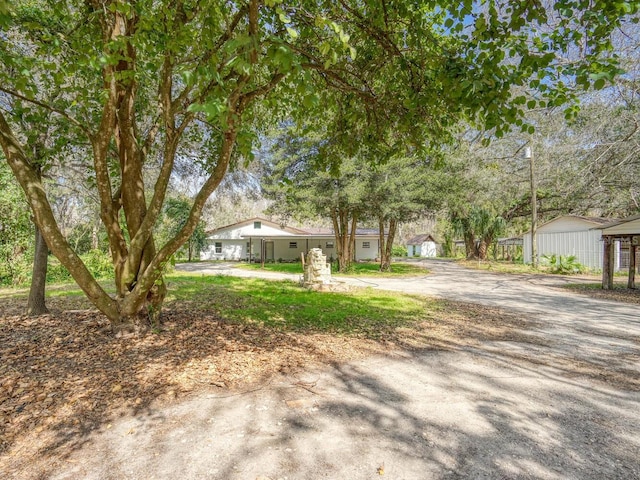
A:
620	293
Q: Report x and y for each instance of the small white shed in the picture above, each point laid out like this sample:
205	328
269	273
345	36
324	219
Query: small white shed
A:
422	246
569	235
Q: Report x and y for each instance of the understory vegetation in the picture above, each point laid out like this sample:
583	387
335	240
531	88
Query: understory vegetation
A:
563	264
18	271
556	264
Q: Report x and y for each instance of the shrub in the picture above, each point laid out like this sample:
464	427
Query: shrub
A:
97	261
398	251
563	264
15	266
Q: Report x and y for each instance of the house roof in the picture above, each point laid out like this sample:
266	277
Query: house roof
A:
293	231
258	219
597	222
420	239
594	220
329	231
510	241
625	226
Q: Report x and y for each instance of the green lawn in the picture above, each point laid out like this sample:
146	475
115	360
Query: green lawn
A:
358	269
498	266
285	305
281	305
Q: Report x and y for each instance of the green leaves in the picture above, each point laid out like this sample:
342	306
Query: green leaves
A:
214	109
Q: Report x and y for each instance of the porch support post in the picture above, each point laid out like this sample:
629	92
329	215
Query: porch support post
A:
631	283
607	262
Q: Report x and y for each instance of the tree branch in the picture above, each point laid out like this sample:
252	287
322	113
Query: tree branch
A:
64	114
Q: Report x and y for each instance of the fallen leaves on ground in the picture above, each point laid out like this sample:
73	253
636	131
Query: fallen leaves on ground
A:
618	294
65	375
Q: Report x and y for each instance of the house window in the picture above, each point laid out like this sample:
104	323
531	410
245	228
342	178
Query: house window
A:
329	244
257	225
218	247
366	244
293	244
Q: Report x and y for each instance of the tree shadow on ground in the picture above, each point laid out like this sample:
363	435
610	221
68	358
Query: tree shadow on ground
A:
67	380
430	415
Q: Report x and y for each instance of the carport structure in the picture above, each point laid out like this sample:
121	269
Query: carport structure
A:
626	230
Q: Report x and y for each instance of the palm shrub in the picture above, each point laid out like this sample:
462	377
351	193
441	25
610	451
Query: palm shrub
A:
563	264
479	228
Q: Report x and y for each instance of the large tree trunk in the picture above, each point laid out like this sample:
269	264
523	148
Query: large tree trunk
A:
345	240
483	248
386	244
27	176
352	239
36	303
470	246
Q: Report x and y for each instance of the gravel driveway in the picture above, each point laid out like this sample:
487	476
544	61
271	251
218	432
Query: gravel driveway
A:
521	408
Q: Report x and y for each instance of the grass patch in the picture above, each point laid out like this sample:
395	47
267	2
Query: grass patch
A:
54	290
500	267
284	305
358	269
509	267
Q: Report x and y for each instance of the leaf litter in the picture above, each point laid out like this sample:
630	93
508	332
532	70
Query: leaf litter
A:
65	375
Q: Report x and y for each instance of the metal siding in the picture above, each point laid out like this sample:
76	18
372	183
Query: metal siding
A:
585	246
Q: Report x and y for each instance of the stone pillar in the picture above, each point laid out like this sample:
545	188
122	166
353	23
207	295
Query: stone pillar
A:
316	269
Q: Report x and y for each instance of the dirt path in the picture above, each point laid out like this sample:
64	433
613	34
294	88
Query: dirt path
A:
530	406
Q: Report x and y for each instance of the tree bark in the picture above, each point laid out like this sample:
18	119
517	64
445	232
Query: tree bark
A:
607	263
345	240
43	214
386	244
631	282
138	265
483	248
352	239
36	304
470	246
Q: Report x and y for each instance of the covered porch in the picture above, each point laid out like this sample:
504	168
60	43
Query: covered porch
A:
627	232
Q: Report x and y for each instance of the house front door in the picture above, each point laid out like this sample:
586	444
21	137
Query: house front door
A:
268	251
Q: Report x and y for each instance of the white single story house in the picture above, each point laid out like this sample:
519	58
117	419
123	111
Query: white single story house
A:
257	237
422	245
571	235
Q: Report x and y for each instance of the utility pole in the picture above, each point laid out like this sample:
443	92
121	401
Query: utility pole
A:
528	154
